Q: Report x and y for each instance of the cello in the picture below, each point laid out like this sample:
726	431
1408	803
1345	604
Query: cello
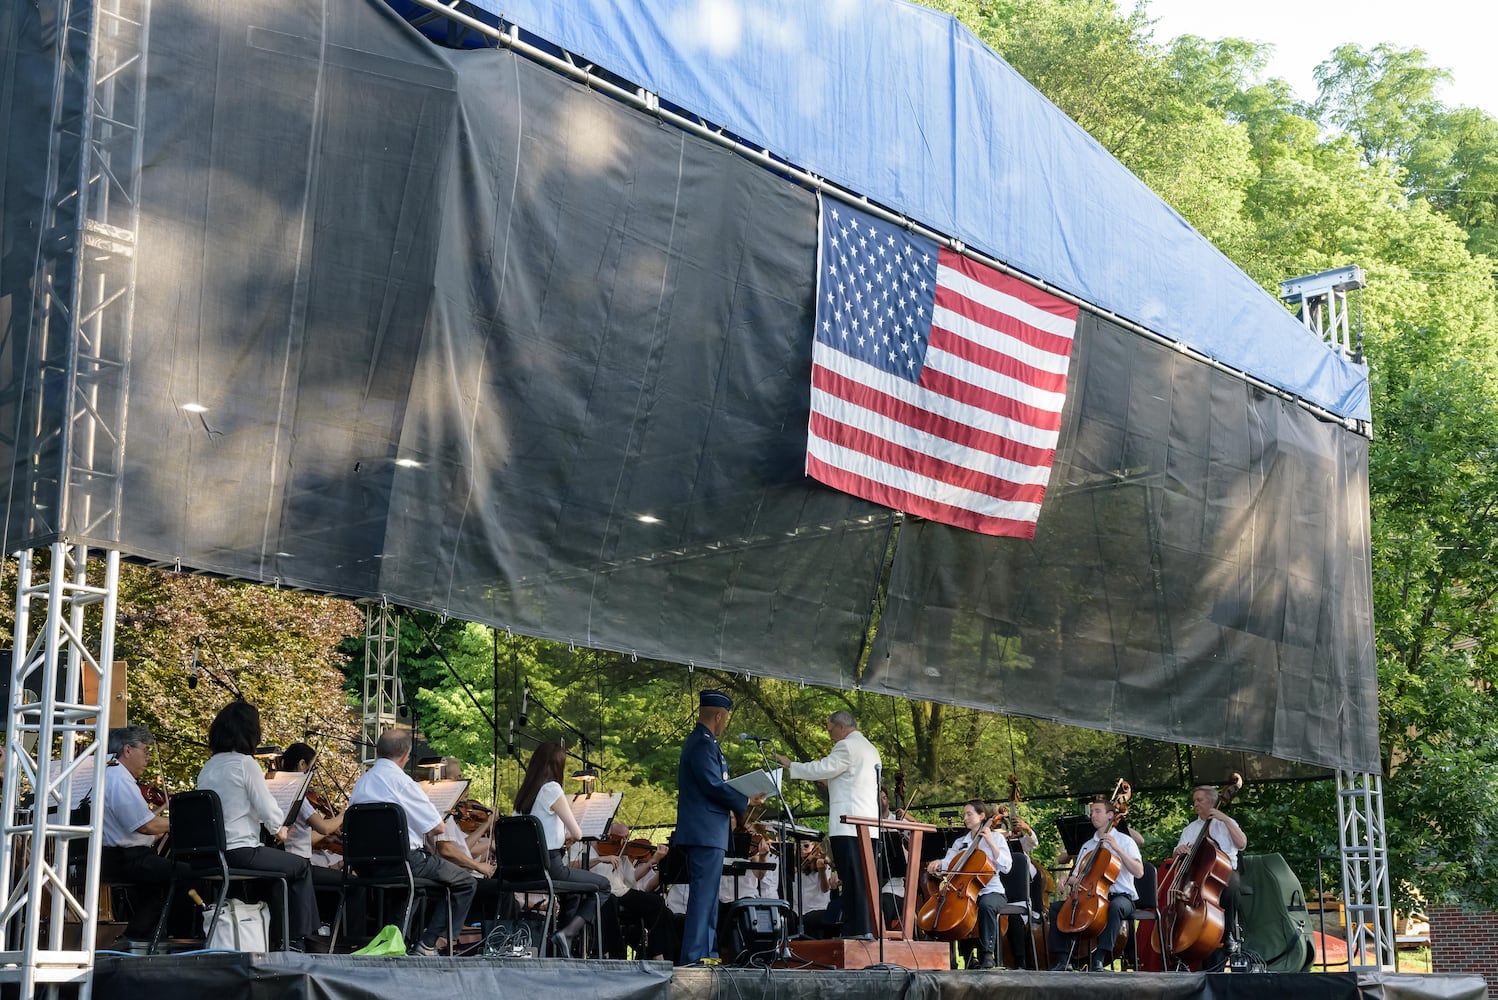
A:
1192	916
1085	910
950	913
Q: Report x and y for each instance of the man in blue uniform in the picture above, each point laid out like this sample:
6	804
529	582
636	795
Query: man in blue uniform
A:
705	809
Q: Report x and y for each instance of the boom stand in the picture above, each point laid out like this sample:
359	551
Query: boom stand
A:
790	877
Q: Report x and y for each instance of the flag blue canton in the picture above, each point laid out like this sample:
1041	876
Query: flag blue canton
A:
878	290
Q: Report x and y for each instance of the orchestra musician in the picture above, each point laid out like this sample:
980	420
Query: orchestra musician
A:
821	910
130	829
1227	835
892	892
1121	895
991	897
851	773
326	880
387	781
632	880
247	806
462	848
705	809
540	795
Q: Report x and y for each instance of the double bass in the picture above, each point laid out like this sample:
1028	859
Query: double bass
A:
1084	912
1192	917
950	912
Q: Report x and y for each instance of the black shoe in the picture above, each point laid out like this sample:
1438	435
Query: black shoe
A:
859	937
985	962
1098	963
561	945
1062	966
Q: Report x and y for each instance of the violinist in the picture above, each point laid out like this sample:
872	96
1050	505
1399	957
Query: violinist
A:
1121	895
248	806
1227	835
892	892
310	820
991	898
630	868
455	844
817	881
130	829
474	819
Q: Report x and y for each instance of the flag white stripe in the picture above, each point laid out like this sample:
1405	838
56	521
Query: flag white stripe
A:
971	288
986	378
876	423
908	392
1003	343
895	477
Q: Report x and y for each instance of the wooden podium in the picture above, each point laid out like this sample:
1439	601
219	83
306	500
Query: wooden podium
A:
899	947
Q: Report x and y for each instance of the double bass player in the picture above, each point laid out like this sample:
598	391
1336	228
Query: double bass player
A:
1229	837
1121	894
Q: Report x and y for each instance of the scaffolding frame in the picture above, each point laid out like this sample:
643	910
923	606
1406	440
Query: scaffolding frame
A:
1366	899
382	684
72	423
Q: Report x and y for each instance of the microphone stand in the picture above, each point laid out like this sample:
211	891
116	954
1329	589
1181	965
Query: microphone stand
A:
877	917
790	878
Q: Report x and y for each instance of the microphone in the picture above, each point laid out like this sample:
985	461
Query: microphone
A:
751	738
192	673
525	697
510	740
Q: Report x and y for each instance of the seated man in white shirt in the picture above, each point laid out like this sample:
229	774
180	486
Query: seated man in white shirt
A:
1121	894
130	830
387	781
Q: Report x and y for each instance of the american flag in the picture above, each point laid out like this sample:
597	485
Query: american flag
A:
937	383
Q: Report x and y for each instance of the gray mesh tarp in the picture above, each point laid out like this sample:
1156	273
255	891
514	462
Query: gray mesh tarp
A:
473	338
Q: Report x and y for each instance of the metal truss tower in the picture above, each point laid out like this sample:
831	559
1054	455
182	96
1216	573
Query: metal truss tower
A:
382	686
1365	870
75	381
1322	299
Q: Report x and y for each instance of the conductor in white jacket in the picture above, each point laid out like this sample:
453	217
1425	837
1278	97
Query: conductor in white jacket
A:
851	772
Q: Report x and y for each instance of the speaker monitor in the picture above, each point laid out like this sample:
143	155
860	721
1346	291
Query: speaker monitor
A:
754	931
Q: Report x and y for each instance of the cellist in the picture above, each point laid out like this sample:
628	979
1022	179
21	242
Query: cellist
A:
1230	838
1121	895
991	896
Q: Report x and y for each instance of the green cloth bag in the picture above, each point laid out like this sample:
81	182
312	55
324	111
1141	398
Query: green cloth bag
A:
387	942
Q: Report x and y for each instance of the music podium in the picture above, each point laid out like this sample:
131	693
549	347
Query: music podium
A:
900	946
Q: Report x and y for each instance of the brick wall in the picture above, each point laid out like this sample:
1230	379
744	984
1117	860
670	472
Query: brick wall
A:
1465	942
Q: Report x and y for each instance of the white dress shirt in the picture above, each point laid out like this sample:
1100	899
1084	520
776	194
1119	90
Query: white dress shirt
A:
551	823
1219	834
386	782
1126	846
244	797
849	771
125	809
1002	861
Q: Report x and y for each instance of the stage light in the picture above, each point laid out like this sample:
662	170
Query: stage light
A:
194	407
408	463
648	519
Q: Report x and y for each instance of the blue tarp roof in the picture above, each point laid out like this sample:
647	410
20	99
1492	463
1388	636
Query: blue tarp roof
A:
906	106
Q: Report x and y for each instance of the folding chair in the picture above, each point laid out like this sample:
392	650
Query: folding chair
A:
1145	908
376	855
1018	907
520	846
197	832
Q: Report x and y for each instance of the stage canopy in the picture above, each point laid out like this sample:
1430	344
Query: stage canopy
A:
464	335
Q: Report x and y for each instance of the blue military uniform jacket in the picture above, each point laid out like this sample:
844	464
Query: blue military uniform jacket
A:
704	803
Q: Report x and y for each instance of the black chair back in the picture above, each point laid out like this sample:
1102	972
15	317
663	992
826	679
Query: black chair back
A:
1017	881
197	827
374	837
1147	886
520	848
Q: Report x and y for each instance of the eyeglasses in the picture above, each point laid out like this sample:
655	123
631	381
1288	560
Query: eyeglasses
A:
144	748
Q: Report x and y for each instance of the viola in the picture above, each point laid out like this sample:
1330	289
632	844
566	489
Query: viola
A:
639	850
321	804
1085	911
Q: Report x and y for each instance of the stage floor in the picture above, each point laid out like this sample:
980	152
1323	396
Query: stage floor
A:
234	976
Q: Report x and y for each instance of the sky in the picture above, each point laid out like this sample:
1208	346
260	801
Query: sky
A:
1457	35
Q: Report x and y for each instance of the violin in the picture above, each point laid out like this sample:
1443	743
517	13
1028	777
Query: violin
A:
639	850
471	814
321	804
814	859
155	797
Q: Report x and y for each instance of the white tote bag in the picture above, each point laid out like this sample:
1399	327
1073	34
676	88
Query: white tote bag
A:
243	927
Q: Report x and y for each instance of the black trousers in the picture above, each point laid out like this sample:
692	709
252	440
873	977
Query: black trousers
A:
1120	908
856	917
151	874
301	903
460	880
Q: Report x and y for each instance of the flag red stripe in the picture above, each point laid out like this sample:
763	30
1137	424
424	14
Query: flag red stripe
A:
855	439
1013	326
966	435
968	350
879	493
1010	286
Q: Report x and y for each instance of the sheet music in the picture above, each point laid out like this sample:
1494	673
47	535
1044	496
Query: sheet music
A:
445	794
595	812
83	778
288	788
754	782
